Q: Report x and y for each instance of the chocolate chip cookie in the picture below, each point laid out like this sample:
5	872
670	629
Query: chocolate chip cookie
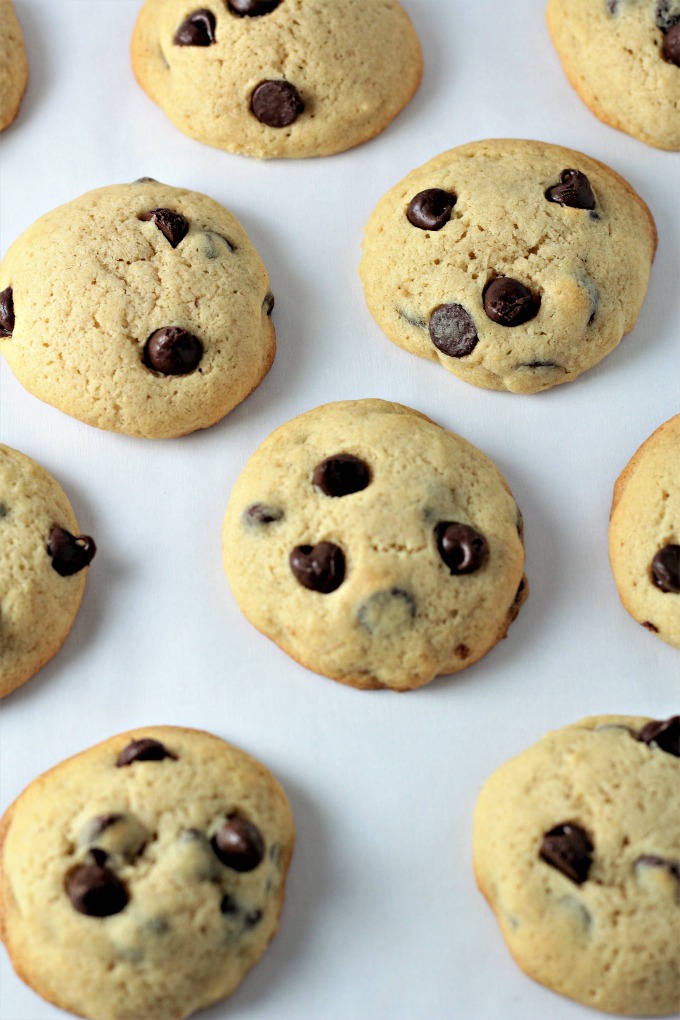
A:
516	265
623	59
278	78
139	308
13	64
43	561
374	546
577	850
644	533
145	876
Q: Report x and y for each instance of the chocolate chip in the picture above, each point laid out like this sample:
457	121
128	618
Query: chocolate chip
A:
667	14
173	351
93	889
145	180
612	6
462	548
173	225
228	905
70	553
412	319
259	513
253	917
197	30
539	364
387	612
99	824
430	209
666	569
268	304
145	749
238	844
276	103
252	8
6	312
509	303
671	45
452	331
574	190
320	567
3	510
664	734
341	475
652	861
650	626
568	848
462	651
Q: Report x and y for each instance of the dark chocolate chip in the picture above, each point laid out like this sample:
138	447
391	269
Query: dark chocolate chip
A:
452	331
228	905
412	319
539	364
671	45
613	6
3	510
650	626
70	553
145	749
252	8
462	548
664	734
268	304
197	30
6	312
239	844
259	513
568	848
341	475
97	856
93	889
509	303
100	823
462	651
145	180
574	190
276	103
319	567
430	209
667	14
171	224
253	917
386	611
652	861
666	569
173	351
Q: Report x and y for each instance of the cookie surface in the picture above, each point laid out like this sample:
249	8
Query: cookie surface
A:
374	546
644	533
516	265
139	308
623	59
145	876
278	78
577	850
13	64
42	568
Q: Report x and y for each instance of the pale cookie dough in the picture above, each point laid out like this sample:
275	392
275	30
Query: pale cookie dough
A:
42	568
13	64
516	265
373	546
577	850
145	876
644	533
278	78
623	59
139	308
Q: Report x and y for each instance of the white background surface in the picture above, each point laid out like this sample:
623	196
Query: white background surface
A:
382	921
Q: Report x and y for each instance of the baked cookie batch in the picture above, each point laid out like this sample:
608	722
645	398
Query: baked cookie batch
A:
372	545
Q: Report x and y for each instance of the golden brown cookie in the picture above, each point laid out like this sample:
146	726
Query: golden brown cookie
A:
13	64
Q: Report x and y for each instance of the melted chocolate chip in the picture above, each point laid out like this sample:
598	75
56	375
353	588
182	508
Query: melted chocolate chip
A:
574	190
145	749
666	569
341	475
6	312
252	8
462	548
93	889
320	567
650	626
70	553
173	351
238	844
452	331
3	510
667	14
259	513
664	734
228	905
268	304
568	848
171	224
509	303
253	917
276	103
671	45
197	30
430	209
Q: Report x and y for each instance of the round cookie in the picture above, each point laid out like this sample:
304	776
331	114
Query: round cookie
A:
516	265
42	568
150	304
145	876
374	546
644	533
623	59
577	850
13	64
278	78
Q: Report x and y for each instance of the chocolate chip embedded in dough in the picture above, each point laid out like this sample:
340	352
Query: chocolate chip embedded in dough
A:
462	548
173	351
197	30
144	749
509	303
6	312
276	103
666	569
664	734
252	8
387	612
568	848
320	568
70	553
430	209
574	191
452	330
268	304
172	225
260	513
341	475
667	14
95	890
239	844
671	45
